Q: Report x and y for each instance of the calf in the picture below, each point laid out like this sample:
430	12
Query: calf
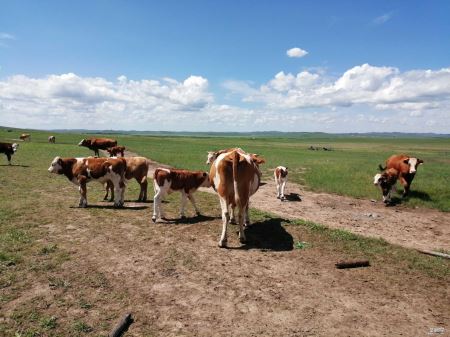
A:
386	181
25	136
8	149
82	170
406	167
96	144
280	175
115	150
137	168
235	176
186	182
51	139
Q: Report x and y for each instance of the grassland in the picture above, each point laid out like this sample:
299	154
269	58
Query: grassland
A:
346	170
66	271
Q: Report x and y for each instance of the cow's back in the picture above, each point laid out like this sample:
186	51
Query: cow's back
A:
137	167
397	162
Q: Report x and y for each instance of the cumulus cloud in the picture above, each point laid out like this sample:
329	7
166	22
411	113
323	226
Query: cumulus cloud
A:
296	52
91	101
5	37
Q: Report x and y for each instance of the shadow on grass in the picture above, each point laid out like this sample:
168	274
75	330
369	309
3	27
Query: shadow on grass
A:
125	208
190	221
419	195
14	165
268	235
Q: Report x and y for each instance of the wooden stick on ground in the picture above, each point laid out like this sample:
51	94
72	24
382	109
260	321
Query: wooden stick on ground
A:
122	326
352	264
429	252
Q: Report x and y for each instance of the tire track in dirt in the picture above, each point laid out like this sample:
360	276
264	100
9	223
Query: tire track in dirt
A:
419	228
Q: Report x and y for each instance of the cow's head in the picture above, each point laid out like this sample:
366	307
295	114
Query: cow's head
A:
284	172
15	146
413	163
386	181
206	182
257	159
212	155
85	142
56	166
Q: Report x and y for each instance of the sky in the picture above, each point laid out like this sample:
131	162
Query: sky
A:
226	65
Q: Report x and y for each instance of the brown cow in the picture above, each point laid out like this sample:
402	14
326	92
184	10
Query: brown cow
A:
82	170
235	176
406	167
96	144
386	181
186	182
115	150
137	168
280	175
51	139
8	149
25	136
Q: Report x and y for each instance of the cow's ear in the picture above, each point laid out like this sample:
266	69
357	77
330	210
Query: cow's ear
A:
60	161
419	161
406	161
205	174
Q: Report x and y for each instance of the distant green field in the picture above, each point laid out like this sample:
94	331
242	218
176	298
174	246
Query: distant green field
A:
347	170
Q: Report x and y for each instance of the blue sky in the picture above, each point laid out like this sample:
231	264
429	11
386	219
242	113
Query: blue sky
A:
223	65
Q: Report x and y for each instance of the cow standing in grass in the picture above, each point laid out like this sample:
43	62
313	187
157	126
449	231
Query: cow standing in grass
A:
25	136
406	167
51	139
137	168
280	175
80	171
235	176
115	150
8	149
96	144
386	181
166	181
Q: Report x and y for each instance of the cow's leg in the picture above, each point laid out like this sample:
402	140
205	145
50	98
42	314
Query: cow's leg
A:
241	216
183	204
278	188
96	153
225	219
247	217
9	158
109	186
231	210
157	207
83	192
144	185
192	200
119	189
283	184
405	185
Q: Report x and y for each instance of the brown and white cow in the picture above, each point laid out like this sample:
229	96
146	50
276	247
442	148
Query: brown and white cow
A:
235	176
406	167
25	136
51	139
137	168
96	144
186	182
386	180
80	171
280	175
115	150
8	149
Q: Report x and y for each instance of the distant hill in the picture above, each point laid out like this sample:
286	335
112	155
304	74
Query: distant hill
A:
258	134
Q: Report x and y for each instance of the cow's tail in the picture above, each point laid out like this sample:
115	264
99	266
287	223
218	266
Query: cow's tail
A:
381	167
235	177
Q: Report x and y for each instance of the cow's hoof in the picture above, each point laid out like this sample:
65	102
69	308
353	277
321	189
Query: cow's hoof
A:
182	217
247	224
82	205
243	240
223	244
278	197
198	214
233	222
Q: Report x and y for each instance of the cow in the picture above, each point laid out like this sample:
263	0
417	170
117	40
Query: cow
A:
82	170
406	167
8	149
386	181
137	168
25	136
186	182
96	144
51	139
235	176
280	175
115	150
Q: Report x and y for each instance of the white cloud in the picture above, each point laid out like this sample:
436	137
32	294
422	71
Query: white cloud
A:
379	20
296	52
4	37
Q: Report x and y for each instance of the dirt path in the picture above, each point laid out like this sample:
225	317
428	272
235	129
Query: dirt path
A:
413	228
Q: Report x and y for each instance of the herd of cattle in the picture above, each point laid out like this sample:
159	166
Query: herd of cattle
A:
234	174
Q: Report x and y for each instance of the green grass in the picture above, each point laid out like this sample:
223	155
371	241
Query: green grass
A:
347	170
